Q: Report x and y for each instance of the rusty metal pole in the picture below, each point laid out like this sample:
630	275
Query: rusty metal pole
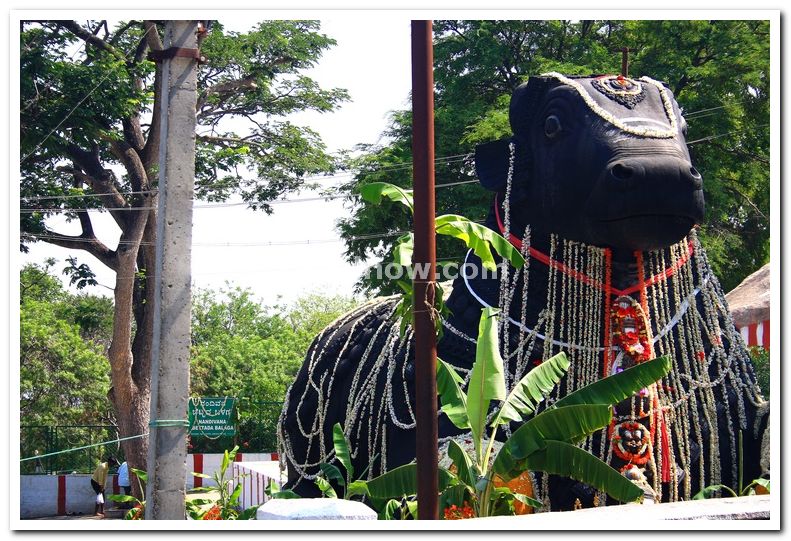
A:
424	259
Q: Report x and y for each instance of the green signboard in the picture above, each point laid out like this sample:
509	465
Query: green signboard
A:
212	417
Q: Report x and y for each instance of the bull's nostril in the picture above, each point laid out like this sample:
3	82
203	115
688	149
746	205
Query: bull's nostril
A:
621	172
695	173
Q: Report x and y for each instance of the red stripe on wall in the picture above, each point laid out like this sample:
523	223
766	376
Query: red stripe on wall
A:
197	467
239	457
752	334
274	456
766	334
116	487
61	494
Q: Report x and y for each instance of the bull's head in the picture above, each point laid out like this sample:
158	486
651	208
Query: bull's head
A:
600	160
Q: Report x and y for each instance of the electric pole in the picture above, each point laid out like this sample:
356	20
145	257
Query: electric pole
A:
167	442
424	255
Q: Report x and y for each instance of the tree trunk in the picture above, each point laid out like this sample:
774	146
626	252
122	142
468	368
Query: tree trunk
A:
132	410
129	374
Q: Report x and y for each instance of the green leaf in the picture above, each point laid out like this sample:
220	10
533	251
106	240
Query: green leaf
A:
487	382
357	488
375	191
411	507
201	475
613	389
567	460
569	424
463	463
233	500
405	246
531	389
326	488
527	500
140	474
286	495
121	498
480	239
711	492
454	495
402	481
249	513
390	509
761	482
454	401
342	449
332	473
227	458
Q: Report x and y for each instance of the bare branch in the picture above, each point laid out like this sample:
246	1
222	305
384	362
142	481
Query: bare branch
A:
86	241
88	37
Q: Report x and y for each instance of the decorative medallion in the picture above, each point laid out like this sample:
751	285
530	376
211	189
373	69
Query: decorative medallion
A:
631	442
629	330
623	90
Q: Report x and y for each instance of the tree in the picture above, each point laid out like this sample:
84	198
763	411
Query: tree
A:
63	372
90	132
244	349
718	71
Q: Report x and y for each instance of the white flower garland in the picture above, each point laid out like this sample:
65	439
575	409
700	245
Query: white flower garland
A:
609	117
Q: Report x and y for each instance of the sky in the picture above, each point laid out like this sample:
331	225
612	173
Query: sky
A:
232	243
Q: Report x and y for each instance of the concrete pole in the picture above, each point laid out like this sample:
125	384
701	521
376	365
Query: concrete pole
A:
167	451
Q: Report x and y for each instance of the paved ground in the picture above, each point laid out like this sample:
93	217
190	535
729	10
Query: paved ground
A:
112	514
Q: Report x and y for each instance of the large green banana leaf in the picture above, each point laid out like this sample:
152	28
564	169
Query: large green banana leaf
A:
342	449
401	481
568	460
487	382
618	387
531	389
375	191
479	238
454	401
568	424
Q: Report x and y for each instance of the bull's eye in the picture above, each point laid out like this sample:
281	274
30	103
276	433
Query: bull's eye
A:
552	126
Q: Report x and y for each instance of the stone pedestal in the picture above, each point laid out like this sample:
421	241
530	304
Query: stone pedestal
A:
315	509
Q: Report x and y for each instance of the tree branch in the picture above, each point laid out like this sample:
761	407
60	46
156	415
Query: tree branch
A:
88	37
87	242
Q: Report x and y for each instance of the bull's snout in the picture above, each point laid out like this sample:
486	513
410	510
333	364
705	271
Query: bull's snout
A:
635	173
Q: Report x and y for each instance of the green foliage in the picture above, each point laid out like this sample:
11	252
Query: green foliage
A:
244	349
545	441
226	505
482	240
718	71
138	510
63	371
761	364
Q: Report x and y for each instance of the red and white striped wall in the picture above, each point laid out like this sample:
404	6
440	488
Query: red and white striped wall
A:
756	334
207	464
52	495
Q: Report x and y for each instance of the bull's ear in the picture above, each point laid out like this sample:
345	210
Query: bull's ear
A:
492	161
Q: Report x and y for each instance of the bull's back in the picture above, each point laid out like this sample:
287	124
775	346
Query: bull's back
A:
354	374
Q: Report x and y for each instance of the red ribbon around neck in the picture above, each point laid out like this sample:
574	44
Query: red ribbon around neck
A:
542	257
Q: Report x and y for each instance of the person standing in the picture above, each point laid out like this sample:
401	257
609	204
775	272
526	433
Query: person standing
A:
98	481
123	482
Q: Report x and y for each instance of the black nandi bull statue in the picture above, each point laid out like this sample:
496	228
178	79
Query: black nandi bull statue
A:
597	190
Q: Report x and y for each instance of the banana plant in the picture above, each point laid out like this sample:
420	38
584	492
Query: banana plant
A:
544	442
388	493
483	241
